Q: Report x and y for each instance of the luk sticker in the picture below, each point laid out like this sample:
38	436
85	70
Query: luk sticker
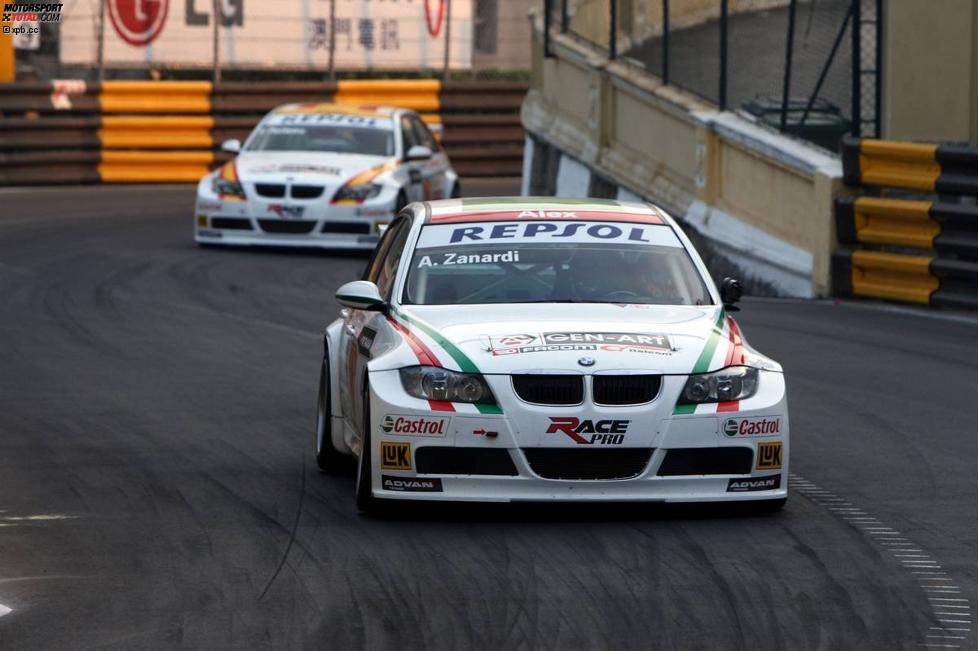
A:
754	484
590	432
759	426
769	455
409	484
414	425
395	456
612	342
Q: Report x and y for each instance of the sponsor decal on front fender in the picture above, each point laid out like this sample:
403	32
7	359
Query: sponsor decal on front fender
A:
769	455
415	425
754	484
614	342
285	211
395	456
755	426
590	432
409	484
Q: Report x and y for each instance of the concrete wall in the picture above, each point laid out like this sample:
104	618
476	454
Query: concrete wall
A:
759	203
930	68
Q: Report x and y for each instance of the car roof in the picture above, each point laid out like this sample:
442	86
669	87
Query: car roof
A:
326	108
498	209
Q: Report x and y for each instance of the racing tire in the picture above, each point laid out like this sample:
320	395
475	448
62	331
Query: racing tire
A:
366	502
328	458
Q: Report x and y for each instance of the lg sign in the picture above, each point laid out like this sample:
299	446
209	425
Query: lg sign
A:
138	22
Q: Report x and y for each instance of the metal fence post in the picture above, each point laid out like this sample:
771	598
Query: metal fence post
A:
216	73
100	35
857	23
878	108
613	31
448	39
723	55
332	39
789	48
665	41
547	10
825	68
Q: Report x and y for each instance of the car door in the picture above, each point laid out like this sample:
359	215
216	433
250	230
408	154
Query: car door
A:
433	171
360	327
415	168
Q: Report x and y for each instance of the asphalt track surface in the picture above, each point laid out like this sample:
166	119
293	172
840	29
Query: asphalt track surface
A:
158	490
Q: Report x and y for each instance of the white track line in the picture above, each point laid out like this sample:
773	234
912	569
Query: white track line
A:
945	609
4	610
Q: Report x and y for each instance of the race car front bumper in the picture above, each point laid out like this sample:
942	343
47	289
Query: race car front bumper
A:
234	223
465	455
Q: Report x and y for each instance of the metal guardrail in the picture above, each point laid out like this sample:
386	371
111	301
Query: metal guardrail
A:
885	237
142	131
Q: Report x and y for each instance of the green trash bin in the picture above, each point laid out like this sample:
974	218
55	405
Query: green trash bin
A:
824	126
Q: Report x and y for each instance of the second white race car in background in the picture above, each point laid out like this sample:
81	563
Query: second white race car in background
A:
326	175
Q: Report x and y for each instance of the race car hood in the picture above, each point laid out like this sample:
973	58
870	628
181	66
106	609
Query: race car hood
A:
557	337
329	169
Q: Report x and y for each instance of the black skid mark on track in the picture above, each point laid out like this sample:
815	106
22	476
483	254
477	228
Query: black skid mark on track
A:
295	527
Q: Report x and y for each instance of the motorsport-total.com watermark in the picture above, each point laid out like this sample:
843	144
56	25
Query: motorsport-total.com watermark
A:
29	14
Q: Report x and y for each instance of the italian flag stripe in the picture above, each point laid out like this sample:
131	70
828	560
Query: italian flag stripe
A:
465	364
426	357
702	364
703	361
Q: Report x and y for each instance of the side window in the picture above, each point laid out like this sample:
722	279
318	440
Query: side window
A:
423	134
407	134
380	251
388	266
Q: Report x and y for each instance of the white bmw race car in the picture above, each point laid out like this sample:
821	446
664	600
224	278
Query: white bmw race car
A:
326	175
547	349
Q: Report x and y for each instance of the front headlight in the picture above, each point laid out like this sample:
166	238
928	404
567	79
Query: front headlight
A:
227	188
357	193
433	383
731	383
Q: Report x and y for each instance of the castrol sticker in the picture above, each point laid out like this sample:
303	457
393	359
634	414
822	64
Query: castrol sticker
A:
414	425
755	426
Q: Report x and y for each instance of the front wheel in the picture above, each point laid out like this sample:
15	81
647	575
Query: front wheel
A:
366	501
328	457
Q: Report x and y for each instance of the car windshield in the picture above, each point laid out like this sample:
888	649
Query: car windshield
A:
342	139
544	262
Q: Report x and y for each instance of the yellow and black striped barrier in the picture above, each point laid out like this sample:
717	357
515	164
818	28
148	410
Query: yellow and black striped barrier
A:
908	278
940	169
170	131
912	251
948	228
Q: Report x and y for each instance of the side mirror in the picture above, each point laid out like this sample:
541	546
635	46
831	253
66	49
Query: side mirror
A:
418	152
233	145
730	293
361	295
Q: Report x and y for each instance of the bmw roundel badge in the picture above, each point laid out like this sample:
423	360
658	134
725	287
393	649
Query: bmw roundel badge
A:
586	361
